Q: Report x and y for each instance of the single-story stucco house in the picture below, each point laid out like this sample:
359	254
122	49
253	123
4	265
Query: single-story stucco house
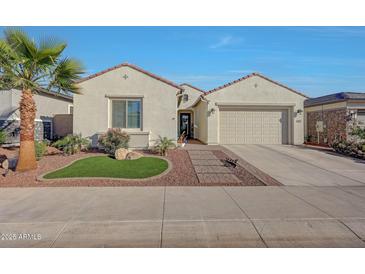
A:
329	118
251	110
53	117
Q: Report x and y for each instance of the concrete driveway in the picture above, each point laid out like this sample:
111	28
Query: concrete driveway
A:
182	217
301	166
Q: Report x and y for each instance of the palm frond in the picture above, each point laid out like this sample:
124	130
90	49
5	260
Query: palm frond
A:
27	64
66	74
50	50
20	43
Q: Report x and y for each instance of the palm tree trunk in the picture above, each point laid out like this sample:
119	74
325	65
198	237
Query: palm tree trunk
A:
27	108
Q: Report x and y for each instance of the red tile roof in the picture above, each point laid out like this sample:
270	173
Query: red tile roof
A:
186	84
251	75
133	67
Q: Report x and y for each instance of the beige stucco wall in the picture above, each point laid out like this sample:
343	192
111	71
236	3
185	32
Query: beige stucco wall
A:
193	95
5	103
47	105
261	92
159	115
200	120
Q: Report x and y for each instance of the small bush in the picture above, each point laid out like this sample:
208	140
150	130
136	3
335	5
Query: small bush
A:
2	137
113	139
40	149
163	145
358	132
354	149
308	138
72	144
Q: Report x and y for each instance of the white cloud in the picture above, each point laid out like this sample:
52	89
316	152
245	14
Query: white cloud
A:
225	41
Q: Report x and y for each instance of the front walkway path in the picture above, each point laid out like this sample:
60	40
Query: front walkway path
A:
183	217
210	169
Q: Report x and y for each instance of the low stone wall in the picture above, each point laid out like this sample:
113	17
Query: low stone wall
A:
334	123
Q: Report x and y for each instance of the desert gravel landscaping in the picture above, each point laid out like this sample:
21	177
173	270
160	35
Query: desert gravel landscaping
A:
196	165
183	175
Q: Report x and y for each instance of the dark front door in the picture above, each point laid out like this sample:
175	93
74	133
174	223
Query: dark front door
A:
185	124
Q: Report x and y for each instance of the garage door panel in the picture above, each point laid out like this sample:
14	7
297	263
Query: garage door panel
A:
228	129
253	126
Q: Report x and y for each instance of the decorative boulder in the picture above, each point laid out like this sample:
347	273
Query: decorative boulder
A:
4	162
133	155
121	153
53	151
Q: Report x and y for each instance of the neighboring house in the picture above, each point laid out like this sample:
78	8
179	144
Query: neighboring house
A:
330	117
53	117
250	110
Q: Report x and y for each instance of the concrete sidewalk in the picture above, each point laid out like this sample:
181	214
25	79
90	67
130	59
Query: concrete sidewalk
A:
183	217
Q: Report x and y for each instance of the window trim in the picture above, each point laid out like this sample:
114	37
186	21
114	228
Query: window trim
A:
126	99
69	109
362	113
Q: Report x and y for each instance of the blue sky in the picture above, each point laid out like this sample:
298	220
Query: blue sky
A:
313	60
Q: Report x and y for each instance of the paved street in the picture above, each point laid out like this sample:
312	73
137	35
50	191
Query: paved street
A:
291	216
297	165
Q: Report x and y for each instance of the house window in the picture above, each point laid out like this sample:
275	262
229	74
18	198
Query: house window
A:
185	97
361	117
70	109
126	113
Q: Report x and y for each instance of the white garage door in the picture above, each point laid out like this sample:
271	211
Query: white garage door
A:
253	127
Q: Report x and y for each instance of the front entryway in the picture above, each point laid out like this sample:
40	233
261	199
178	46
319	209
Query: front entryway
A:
185	125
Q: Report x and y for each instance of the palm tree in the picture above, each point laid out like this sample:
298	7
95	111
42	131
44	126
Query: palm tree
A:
31	67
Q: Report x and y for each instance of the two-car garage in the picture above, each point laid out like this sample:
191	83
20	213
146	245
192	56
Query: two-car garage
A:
251	110
253	126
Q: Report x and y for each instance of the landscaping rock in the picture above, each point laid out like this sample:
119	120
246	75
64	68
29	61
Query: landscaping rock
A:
53	151
121	153
4	162
133	155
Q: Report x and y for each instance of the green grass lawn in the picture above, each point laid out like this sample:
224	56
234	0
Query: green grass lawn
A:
104	166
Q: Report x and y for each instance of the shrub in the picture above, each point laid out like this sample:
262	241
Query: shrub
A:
40	149
72	144
113	139
163	144
2	137
308	138
354	149
359	132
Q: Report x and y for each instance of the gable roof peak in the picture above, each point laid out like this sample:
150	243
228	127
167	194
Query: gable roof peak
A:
258	75
126	64
193	87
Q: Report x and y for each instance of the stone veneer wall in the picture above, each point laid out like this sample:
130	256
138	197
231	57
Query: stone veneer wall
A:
12	129
334	123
